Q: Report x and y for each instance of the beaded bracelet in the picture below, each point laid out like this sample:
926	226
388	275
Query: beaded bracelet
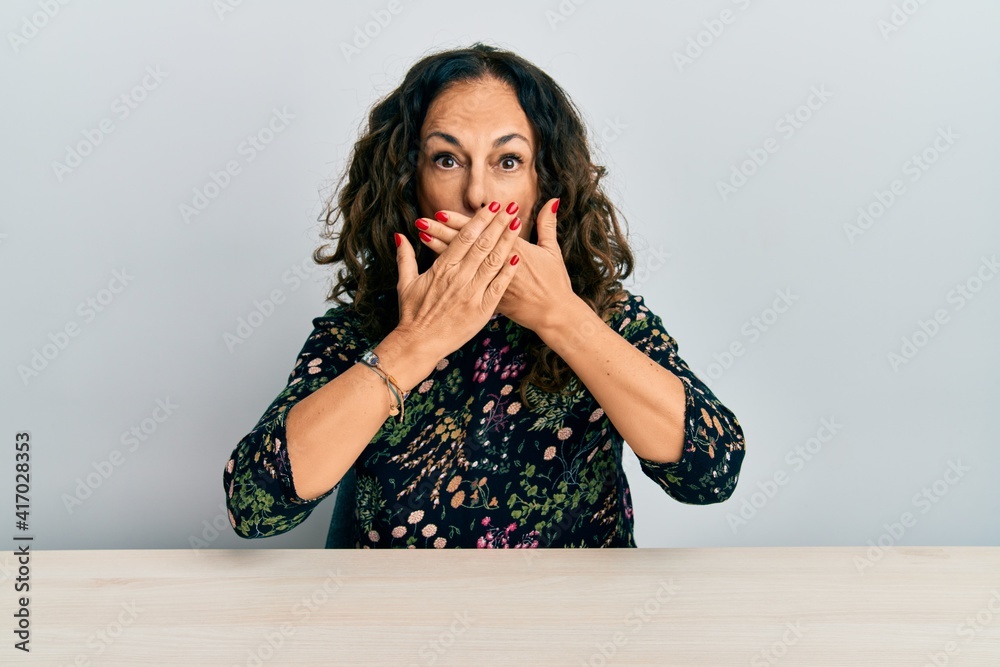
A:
371	360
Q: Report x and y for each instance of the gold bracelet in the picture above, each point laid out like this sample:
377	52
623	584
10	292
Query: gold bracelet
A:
370	359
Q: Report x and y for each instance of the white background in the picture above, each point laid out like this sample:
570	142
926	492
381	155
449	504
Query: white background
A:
669	130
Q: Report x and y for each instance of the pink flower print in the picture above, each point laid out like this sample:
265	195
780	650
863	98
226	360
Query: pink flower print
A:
439	543
492	361
314	365
229	466
231	487
399	531
425	386
550	453
506	389
429	530
598	413
564	433
485	521
415	516
441	365
480	543
277	444
511	527
373	535
232	519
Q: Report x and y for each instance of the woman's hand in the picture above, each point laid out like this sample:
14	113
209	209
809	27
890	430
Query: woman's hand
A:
538	290
449	303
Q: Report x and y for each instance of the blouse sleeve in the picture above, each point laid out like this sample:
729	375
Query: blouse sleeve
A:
714	447
260	493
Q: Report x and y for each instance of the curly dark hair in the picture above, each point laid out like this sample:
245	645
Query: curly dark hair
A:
380	198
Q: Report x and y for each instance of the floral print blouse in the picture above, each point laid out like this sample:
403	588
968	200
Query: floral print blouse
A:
470	466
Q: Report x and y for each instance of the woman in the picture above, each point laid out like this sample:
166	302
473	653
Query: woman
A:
484	265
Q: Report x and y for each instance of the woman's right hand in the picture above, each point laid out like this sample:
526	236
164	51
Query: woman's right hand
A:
448	304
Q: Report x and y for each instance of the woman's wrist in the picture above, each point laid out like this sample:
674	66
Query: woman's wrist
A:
405	359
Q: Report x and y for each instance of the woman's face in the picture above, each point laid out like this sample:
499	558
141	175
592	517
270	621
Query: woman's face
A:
476	146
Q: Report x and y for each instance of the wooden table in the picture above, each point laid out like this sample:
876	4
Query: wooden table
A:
724	606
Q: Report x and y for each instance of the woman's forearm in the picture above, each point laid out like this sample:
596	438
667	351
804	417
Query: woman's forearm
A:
328	430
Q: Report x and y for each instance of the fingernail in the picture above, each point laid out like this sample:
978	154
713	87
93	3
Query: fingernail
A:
555	206
441	216
398	239
425	237
494	207
514	260
422	224
515	223
512	208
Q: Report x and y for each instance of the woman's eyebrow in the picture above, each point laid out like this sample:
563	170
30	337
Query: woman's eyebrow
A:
496	144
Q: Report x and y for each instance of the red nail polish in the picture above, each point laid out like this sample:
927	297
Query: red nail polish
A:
514	260
422	224
398	239
494	207
555	206
425	237
441	216
512	208
515	223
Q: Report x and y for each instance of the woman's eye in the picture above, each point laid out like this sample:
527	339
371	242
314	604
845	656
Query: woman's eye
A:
507	162
510	162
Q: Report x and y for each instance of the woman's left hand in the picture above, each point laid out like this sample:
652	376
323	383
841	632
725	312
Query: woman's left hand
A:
540	288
